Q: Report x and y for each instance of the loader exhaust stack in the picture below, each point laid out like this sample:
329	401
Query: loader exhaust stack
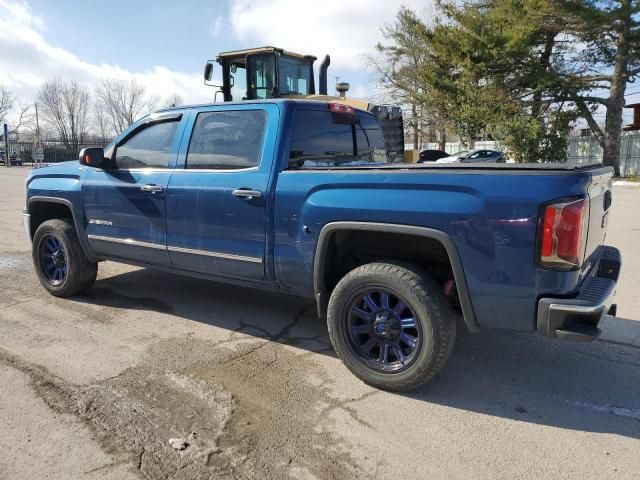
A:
323	75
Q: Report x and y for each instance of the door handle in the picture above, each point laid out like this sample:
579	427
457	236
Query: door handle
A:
151	188
246	193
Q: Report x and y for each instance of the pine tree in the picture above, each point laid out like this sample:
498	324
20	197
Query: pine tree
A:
608	33
495	70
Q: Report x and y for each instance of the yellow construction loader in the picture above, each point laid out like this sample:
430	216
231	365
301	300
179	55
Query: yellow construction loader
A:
270	72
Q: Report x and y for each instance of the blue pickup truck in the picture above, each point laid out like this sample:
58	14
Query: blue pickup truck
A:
297	197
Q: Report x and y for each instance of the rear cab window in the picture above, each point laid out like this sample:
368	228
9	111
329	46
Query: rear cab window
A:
326	139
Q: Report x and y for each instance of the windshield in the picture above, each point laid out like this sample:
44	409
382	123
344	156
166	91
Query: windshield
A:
294	76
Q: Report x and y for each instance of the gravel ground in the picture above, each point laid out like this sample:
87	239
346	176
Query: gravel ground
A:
153	375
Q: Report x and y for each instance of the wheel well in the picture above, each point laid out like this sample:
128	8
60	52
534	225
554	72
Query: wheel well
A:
43	211
348	249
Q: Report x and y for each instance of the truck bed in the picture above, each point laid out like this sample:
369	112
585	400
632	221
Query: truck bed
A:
490	212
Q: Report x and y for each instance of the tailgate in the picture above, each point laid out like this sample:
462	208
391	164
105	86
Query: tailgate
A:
600	195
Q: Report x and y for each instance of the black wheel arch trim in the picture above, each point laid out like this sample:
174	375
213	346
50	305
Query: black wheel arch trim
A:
80	231
322	297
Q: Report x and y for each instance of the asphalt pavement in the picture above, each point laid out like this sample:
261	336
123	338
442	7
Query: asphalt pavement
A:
154	375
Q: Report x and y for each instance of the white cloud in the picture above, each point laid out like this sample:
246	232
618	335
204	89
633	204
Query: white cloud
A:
216	26
21	12
346	30
27	59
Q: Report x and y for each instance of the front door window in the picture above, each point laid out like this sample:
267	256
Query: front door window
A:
149	148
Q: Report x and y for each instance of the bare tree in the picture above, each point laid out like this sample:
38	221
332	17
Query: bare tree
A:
24	117
6	102
100	121
174	100
64	107
122	102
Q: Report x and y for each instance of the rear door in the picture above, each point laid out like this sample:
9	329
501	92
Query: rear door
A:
217	197
125	204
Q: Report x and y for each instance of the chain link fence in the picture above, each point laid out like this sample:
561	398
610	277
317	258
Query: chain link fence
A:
23	153
588	150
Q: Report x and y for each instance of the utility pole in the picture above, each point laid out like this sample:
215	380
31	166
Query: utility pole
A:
7	161
38	156
37	123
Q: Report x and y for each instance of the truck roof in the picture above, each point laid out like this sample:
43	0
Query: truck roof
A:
298	102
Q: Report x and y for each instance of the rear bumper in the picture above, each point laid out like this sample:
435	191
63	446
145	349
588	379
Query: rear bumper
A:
26	224
578	318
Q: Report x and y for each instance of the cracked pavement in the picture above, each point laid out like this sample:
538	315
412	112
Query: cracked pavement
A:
247	385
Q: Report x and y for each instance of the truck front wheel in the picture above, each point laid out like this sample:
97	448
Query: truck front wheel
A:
61	265
391	325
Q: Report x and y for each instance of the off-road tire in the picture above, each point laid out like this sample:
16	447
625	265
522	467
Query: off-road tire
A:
81	272
437	320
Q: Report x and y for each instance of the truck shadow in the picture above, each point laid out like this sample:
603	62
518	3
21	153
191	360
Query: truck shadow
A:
267	315
590	387
518	376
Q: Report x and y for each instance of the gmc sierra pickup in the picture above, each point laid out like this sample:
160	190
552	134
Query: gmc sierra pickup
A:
296	196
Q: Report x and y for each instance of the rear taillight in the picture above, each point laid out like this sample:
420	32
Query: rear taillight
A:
564	234
340	108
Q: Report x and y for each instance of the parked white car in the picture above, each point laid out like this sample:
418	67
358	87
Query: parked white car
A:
453	158
475	156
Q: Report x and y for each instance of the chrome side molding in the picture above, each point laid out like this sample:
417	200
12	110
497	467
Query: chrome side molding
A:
170	248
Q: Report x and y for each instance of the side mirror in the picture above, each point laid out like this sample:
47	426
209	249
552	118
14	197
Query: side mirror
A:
208	71
91	157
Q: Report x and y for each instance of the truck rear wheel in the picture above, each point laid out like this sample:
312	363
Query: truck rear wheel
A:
391	325
61	265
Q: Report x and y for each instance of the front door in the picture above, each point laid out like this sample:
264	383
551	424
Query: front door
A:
217	197
125	203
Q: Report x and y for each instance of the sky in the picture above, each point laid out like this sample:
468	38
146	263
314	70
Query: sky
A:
165	44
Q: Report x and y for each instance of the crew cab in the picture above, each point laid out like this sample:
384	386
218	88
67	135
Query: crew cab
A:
297	197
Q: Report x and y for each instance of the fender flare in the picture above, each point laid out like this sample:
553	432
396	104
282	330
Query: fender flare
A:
84	243
322	297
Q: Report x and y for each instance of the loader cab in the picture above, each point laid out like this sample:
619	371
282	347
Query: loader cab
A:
265	73
270	72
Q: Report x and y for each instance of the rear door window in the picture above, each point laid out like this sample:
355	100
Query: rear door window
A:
325	139
227	140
